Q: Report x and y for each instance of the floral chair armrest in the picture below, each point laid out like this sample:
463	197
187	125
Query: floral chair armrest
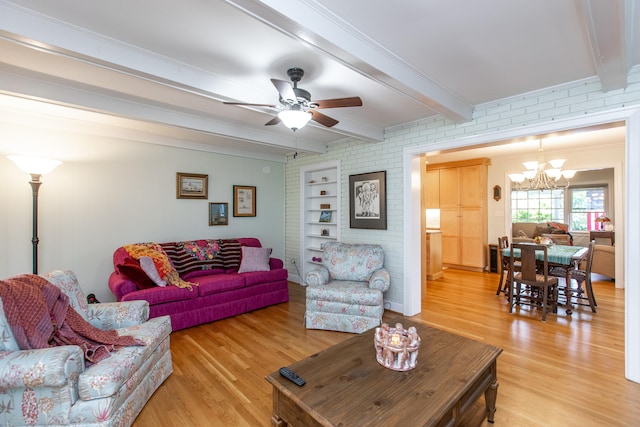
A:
317	277
45	367
380	279
31	378
115	315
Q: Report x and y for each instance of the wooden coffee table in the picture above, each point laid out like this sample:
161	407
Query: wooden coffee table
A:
347	387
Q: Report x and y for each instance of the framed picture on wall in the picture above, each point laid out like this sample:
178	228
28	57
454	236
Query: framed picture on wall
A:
218	214
244	200
191	186
368	200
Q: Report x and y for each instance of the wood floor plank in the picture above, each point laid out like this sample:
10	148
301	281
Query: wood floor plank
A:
567	371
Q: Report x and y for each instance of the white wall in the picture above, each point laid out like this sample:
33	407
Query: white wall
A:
109	192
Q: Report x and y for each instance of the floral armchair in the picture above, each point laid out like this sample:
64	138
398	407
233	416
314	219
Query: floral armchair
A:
346	292
53	385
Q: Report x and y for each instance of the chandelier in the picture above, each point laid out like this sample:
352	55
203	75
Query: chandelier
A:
539	176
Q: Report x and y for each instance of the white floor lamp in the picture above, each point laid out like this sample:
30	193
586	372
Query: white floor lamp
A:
36	167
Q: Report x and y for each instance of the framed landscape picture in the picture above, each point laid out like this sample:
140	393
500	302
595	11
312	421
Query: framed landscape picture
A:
218	214
368	200
191	186
244	200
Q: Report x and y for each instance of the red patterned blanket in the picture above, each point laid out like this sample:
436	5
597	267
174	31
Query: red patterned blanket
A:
40	316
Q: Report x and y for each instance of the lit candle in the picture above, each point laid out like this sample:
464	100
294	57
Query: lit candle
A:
395	339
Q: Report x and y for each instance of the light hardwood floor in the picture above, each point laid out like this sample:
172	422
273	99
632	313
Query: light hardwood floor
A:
568	371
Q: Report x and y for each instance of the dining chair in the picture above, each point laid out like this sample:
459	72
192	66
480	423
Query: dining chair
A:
503	243
541	289
577	295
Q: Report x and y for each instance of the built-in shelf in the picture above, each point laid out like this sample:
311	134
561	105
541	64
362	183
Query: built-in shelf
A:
320	185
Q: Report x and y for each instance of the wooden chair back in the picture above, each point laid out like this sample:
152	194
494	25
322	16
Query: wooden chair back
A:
531	272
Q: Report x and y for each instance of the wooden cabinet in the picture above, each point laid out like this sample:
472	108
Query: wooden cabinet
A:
320	211
432	191
463	212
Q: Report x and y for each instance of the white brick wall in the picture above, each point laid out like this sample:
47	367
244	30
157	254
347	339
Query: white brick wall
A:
542	106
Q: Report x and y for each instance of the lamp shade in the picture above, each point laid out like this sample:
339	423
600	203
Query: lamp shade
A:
35	165
517	177
294	119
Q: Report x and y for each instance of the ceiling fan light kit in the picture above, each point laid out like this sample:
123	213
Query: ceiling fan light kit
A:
294	119
541	178
298	108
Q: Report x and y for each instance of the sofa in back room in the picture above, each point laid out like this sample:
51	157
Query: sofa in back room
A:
207	279
523	232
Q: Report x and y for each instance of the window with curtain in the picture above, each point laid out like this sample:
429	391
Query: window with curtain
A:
587	204
537	205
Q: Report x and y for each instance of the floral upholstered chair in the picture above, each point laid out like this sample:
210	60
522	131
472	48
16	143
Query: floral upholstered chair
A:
345	293
55	386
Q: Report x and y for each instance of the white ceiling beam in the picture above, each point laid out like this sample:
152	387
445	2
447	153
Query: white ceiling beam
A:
315	25
25	85
610	49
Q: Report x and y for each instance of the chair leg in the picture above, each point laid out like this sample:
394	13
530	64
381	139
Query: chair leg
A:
510	295
590	296
545	294
500	282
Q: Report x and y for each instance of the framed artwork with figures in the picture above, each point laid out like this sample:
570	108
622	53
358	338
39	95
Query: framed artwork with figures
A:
368	200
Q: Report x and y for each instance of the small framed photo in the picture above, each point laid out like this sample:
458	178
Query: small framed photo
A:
218	214
244	200
325	216
191	186
324	232
325	205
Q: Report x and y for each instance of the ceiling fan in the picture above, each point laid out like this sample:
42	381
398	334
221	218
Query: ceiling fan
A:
298	106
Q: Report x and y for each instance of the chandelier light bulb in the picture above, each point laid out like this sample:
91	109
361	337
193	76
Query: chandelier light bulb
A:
557	163
553	173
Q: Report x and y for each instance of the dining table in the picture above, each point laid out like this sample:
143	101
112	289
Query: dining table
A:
557	255
561	259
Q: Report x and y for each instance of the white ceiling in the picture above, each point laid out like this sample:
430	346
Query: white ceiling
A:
165	66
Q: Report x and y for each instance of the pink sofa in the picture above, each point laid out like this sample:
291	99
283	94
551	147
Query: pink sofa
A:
224	286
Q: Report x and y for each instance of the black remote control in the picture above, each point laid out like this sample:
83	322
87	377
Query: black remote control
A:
291	376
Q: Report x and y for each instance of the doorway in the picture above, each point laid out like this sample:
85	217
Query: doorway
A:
412	217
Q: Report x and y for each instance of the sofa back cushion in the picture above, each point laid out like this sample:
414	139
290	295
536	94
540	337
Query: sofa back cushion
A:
352	261
194	256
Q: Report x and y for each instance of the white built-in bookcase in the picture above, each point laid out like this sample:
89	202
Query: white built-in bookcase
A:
320	185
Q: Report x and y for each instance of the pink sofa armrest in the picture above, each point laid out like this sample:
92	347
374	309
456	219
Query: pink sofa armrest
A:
275	263
121	285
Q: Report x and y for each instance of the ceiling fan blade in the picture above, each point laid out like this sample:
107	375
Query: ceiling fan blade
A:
322	119
285	90
273	121
354	101
247	104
